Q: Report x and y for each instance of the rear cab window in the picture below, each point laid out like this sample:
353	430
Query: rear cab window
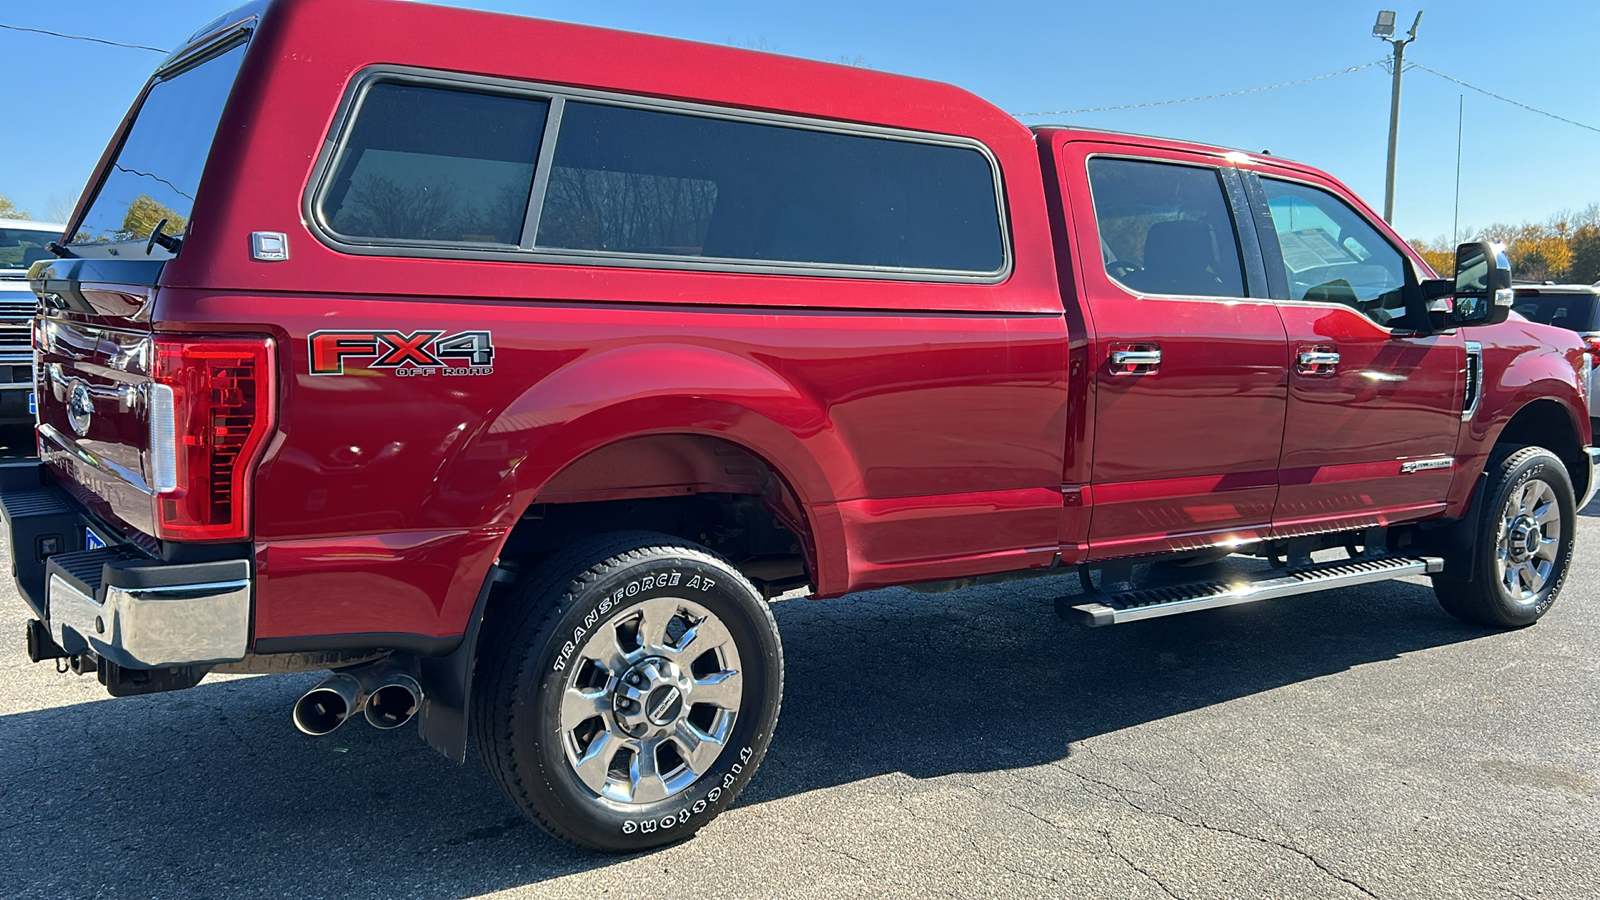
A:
431	165
156	171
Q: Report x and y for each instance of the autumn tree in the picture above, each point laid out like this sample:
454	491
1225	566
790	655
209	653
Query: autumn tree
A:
1585	246
1564	247
1544	257
1441	259
144	213
9	210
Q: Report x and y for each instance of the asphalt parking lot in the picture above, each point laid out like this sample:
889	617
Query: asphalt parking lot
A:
1352	744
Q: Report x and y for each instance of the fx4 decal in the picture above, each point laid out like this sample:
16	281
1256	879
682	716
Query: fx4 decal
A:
420	353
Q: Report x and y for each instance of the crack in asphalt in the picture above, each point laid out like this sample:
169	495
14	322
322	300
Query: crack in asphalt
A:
812	837
1122	797
1111	845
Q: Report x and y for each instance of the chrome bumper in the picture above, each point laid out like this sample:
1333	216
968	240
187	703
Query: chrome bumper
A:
117	602
151	627
1594	483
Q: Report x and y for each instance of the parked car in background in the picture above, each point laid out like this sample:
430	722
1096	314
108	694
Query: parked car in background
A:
1575	307
22	243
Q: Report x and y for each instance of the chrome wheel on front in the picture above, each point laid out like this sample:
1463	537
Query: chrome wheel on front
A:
1530	540
652	697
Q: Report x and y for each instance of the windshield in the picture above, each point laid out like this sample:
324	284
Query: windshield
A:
22	247
157	170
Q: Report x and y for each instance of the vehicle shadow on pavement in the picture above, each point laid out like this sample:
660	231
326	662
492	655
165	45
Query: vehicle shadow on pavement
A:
211	792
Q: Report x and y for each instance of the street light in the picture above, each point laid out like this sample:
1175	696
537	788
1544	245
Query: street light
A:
1383	29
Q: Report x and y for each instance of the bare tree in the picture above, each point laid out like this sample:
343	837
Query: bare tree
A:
379	207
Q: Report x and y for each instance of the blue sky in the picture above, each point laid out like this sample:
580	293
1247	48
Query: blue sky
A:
66	96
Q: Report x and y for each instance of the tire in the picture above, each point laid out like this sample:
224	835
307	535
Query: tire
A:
627	691
1524	543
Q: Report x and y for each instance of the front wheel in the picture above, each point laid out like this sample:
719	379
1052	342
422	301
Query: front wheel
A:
1524	544
628	691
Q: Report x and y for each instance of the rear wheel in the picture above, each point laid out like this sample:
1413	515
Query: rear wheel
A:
628	691
1524	546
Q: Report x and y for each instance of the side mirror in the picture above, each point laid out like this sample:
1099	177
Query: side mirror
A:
1482	294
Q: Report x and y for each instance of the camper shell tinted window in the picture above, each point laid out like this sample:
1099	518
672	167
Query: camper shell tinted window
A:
436	165
443	166
156	172
636	180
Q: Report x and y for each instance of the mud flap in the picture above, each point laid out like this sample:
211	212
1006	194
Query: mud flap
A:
447	683
1457	541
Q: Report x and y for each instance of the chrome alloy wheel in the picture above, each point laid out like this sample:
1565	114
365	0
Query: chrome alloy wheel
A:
1530	540
652	698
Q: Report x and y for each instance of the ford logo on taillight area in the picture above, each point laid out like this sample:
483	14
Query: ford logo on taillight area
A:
80	407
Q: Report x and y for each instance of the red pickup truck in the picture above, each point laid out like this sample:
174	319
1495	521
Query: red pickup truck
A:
508	378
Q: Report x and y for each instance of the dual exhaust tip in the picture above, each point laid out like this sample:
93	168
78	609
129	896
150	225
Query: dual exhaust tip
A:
381	691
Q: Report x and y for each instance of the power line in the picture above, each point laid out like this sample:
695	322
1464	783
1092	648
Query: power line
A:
1502	99
1254	90
169	184
79	37
1055	112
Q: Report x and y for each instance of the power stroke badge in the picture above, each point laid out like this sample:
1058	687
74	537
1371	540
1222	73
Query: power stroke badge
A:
420	353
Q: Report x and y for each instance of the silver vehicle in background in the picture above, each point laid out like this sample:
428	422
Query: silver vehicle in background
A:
22	243
1572	306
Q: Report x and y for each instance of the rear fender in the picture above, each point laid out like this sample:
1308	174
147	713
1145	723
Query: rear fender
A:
657	389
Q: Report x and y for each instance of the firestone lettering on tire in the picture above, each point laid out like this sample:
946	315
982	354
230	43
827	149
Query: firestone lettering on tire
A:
682	816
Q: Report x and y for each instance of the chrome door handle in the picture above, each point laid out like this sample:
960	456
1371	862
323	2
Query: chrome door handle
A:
1317	362
1135	357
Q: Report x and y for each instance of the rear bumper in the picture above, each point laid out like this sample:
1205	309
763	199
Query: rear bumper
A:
1594	469
117	602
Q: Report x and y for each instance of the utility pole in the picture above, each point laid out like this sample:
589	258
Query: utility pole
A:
1384	29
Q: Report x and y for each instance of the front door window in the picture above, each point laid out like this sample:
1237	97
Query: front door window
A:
1330	254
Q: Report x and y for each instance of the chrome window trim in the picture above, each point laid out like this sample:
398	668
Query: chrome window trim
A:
1233	215
524	251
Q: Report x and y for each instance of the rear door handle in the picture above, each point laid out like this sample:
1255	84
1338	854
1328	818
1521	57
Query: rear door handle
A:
1317	361
1135	360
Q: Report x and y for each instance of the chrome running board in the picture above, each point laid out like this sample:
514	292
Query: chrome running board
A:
1150	603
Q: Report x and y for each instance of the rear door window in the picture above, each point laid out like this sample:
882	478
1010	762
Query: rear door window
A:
1166	228
156	171
436	165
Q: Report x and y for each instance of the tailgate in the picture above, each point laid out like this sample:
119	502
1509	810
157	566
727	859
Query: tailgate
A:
93	400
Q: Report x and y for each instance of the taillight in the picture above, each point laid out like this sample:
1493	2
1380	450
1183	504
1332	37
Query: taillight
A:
211	407
1591	345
